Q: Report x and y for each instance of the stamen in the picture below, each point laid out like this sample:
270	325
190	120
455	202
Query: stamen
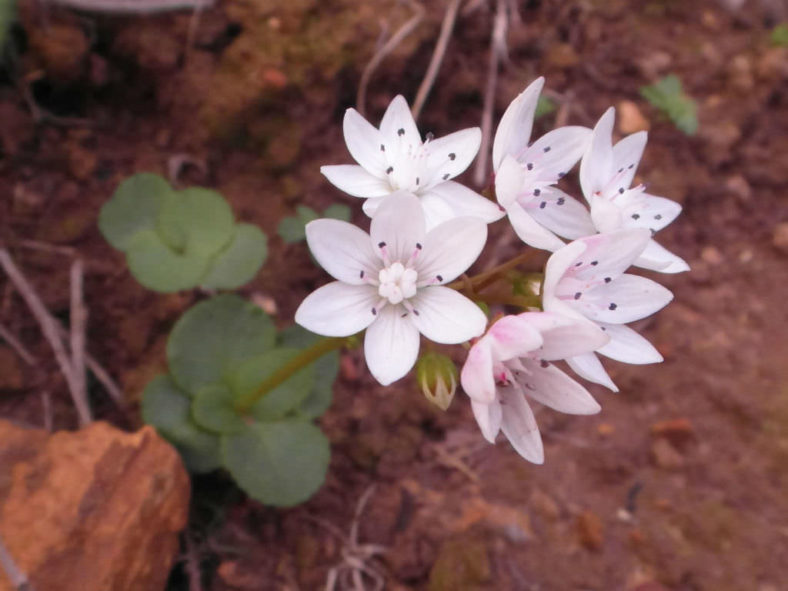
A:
612	306
400	132
452	156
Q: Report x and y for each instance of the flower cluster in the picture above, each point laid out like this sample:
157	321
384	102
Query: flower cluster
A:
395	282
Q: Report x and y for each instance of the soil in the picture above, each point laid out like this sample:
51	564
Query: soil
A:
678	484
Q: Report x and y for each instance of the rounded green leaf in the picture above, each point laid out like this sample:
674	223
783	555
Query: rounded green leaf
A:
159	268
279	464
239	262
198	222
306	213
167	408
133	207
291	230
211	339
213	410
338	211
325	371
284	398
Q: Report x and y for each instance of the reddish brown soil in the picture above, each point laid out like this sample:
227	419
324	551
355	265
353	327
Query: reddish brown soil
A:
624	501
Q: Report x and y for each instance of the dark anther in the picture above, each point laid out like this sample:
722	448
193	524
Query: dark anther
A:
400	132
415	311
608	279
578	263
561	175
560	201
595	263
543	204
417	180
439	277
381	244
547	149
577	295
529	166
446	176
621	190
452	156
403	315
382	148
620	170
537	192
612	306
389	170
544	363
635	216
361	275
631	166
418	245
374	312
658	217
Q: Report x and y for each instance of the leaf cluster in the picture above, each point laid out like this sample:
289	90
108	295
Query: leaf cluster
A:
293	229
219	351
667	96
177	240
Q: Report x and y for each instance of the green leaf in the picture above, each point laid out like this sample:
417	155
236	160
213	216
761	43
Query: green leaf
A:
279	464
325	372
197	222
544	106
211	340
338	211
277	403
667	96
166	407
157	267
240	261
306	214
133	208
779	36
291	230
213	410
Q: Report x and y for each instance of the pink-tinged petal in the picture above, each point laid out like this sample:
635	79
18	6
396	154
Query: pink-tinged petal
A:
513	336
476	376
555	153
355	180
607	256
488	417
391	345
651	212
596	167
436	210
398	226
338	309
562	214
628	346
450	248
625	299
398	126
588	367
564	336
657	258
519	425
342	249
445	316
530	231
365	143
626	157
449	156
514	130
464	202
558	266
550	386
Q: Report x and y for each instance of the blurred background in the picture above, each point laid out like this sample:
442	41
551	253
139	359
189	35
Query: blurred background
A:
679	484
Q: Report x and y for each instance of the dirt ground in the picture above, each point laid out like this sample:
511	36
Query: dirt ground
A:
678	484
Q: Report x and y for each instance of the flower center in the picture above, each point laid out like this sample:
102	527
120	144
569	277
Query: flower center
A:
397	283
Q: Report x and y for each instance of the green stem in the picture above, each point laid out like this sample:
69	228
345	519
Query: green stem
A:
482	280
244	404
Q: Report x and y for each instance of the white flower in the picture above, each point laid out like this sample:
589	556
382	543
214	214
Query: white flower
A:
586	279
394	158
511	363
390	282
606	173
525	175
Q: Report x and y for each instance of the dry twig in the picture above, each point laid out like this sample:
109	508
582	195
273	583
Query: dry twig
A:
134	6
16	345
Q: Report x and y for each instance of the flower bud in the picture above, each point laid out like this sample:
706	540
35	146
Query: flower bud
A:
437	376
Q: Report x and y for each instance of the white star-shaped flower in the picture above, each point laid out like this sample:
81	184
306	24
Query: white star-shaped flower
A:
606	173
586	279
394	158
391	282
510	364
525	174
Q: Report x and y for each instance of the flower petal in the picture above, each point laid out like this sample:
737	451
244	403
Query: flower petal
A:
509	181
436	210
446	316
650	212
626	157
450	248
558	266
365	143
398	126
355	180
519	426
514	130
608	255
530	231
513	336
555	153
596	167
338	309
564	336
488	417
370	206
476	376
628	346
449	156
465	202
391	345
563	215
658	258
343	250
552	387
398	225
588	367
625	299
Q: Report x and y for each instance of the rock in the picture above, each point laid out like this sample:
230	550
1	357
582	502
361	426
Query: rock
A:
91	510
712	255
678	432
590	530
780	237
630	118
664	455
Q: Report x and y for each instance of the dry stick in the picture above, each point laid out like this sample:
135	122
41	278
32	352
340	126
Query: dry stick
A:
77	319
498	40
17	346
437	57
49	329
388	47
17	577
133	6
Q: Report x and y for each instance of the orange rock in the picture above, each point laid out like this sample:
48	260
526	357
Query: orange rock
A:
91	510
590	530
678	431
631	119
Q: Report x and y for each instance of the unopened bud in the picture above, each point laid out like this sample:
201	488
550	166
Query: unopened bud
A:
437	376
